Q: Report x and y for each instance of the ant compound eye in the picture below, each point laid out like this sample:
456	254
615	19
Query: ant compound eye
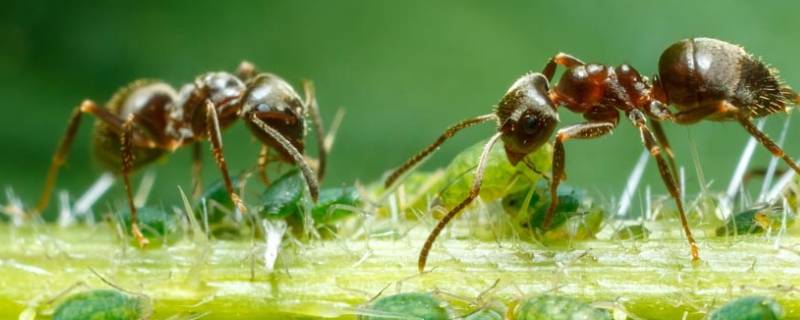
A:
530	125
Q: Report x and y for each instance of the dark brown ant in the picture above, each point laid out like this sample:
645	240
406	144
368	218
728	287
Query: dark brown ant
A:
703	78
148	119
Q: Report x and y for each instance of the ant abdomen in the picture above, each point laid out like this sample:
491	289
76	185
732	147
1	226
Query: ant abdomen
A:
148	100
700	72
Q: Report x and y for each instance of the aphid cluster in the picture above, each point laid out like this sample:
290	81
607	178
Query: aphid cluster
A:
148	119
701	78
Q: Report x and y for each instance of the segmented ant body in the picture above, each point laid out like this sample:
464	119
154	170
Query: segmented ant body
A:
148	119
703	78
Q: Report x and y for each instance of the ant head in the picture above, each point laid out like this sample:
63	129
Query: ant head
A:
275	103
527	116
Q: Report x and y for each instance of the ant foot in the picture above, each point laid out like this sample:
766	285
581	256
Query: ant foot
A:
239	203
140	238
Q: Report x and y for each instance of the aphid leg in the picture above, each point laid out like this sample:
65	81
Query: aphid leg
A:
197	167
586	130
776	150
661	137
319	131
59	157
433	146
126	140
215	136
308	174
639	120
474	191
263	160
560	59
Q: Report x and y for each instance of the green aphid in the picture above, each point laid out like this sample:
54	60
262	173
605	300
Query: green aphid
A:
500	178
749	308
103	305
635	232
155	223
218	202
548	307
485	314
754	221
283	197
570	221
407	306
325	211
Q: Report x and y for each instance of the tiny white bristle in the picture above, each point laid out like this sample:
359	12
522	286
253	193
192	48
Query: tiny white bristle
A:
145	186
274	231
726	205
633	182
773	163
781	184
65	216
89	198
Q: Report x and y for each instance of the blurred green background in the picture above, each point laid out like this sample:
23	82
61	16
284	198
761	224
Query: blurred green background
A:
402	70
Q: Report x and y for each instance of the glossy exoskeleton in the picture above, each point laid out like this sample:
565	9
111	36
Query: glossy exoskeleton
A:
703	78
148	119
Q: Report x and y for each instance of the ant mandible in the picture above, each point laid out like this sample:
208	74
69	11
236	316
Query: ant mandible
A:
703	78
148	119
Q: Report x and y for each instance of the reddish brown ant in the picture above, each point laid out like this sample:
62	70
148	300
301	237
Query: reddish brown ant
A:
148	119
703	78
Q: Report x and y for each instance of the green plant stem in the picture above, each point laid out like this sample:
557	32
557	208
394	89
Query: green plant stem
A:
653	279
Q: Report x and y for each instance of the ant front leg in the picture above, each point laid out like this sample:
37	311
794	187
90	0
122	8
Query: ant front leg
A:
586	130
473	193
127	167
776	150
639	120
316	120
215	136
563	59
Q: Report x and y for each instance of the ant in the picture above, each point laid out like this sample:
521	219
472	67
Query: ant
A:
147	119
703	78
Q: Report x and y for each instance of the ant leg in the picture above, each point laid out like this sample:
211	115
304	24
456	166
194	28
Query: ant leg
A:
560	59
474	191
197	166
59	157
127	166
215	136
639	120
316	120
433	146
263	159
776	150
661	137
586	130
311	179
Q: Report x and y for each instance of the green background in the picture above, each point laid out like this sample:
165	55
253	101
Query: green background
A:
402	70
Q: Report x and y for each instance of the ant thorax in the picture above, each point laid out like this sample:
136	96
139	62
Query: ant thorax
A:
188	115
586	86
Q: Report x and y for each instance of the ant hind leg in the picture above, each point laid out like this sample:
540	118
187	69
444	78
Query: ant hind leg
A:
776	150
